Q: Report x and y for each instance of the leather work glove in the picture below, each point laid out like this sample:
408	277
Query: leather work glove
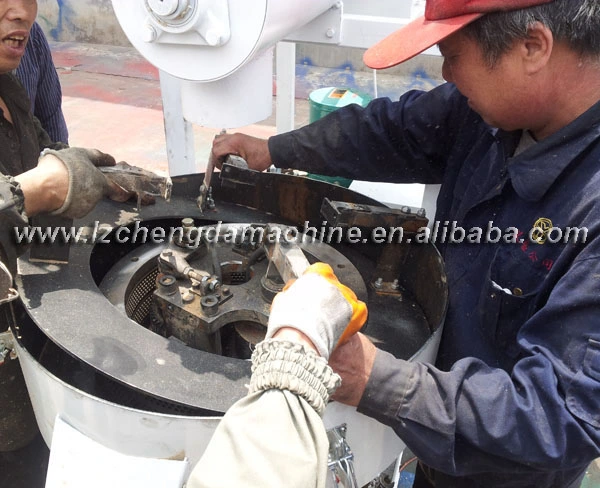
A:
87	184
320	307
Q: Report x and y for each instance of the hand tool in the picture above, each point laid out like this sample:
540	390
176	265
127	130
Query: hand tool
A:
205	199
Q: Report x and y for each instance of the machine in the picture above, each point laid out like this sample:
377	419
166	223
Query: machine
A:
142	344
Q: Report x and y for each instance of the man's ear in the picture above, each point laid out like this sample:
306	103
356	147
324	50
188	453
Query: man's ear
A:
536	48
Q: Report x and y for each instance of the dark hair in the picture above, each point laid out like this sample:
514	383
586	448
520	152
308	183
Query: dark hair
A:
576	22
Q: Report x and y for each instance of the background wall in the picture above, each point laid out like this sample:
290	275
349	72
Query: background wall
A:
93	22
89	21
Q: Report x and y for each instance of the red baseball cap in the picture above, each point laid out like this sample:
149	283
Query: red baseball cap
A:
442	18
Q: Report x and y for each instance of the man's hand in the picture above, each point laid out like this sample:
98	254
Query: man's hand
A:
87	185
353	361
320	307
254	150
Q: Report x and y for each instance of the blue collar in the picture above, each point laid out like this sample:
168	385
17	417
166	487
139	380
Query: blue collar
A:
535	170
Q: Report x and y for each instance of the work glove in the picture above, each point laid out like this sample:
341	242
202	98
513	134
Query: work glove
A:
87	184
320	307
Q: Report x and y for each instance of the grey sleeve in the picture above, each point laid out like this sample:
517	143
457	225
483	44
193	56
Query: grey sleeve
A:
275	436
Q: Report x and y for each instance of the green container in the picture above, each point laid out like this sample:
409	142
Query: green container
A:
324	101
592	476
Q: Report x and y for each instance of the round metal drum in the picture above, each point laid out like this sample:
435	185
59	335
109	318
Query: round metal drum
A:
95	349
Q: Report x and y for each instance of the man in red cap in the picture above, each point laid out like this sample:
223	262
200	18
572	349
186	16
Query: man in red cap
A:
514	140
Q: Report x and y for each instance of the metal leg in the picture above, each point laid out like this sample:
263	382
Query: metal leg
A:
341	458
179	133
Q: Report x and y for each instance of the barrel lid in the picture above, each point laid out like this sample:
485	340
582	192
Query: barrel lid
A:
338	97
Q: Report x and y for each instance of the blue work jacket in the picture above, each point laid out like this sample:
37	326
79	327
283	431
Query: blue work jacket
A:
514	398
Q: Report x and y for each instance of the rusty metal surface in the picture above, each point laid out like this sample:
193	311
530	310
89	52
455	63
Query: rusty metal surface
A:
345	214
293	198
202	317
286	257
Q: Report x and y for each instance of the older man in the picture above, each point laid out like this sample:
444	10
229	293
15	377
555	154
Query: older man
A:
63	180
514	140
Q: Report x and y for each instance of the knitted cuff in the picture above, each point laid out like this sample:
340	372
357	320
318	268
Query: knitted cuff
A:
289	366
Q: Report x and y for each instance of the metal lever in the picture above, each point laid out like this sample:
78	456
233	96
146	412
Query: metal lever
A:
341	459
285	255
205	199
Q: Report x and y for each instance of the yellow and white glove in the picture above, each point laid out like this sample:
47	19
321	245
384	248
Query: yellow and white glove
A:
320	307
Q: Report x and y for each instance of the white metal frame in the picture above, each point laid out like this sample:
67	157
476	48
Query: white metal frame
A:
335	27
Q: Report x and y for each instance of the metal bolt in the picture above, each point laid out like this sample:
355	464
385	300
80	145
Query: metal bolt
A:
210	305
213	37
395	285
149	34
210	202
168	284
166	280
187	222
378	283
226	291
188	297
330	32
213	284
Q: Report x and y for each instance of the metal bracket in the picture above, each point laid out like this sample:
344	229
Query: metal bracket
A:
284	254
341	459
234	173
344	214
195	22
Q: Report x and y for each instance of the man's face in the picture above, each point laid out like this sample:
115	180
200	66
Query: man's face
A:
498	93
16	19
